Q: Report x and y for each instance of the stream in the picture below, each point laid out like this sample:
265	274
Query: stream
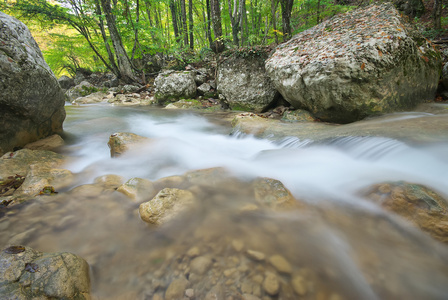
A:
342	247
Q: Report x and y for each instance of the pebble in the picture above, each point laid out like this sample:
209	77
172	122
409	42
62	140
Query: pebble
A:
200	265
189	293
271	285
176	289
280	264
237	245
193	252
229	272
250	297
256	255
299	285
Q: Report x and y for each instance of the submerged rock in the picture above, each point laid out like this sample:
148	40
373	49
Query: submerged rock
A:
137	189
172	86
416	203
166	205
357	64
29	274
120	142
32	102
245	84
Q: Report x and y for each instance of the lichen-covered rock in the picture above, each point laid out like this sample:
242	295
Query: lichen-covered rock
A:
20	162
29	274
357	64
171	86
49	143
66	82
245	84
167	204
121	142
204	88
416	203
31	102
83	89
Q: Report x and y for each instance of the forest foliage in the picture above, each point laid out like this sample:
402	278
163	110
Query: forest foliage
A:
119	35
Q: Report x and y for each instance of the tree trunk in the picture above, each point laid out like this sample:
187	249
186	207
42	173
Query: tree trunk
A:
105	39
183	16
236	18
190	22
274	4
437	14
318	12
286	6
209	30
174	18
218	45
124	64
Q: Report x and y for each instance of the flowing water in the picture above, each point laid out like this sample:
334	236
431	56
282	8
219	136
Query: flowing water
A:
343	247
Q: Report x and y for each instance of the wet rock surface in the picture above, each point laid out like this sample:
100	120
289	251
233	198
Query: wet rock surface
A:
121	142
416	203
29	274
428	123
357	64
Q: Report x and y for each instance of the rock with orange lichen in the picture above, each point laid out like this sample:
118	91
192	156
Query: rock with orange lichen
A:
416	203
365	62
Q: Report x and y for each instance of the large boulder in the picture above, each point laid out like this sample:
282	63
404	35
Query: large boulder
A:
171	86
244	83
29	274
357	64
32	102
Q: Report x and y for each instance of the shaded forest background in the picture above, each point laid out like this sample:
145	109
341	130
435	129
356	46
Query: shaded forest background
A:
129	37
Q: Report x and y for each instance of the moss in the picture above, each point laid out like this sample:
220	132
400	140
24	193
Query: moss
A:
87	90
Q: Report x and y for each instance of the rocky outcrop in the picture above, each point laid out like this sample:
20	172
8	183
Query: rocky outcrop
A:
29	274
32	102
245	84
418	204
171	86
361	63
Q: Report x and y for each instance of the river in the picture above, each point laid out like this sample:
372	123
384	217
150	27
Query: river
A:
343	248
